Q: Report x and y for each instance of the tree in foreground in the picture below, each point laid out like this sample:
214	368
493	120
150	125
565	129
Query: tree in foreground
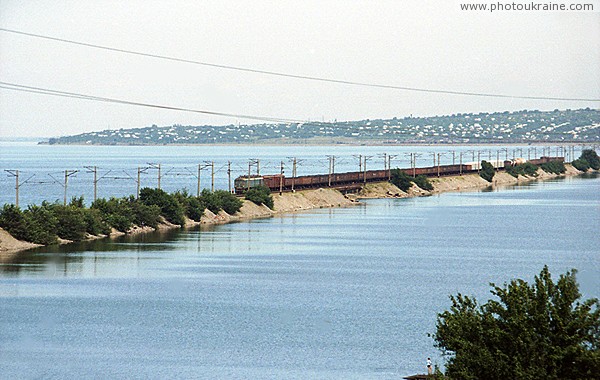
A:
537	331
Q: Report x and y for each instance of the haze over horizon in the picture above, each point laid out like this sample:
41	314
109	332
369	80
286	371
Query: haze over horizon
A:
420	44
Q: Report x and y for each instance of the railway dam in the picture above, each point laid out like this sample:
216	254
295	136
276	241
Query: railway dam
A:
308	194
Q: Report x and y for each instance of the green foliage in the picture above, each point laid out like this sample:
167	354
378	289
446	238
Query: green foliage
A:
522	169
228	202
40	224
142	214
195	209
581	164
591	157
192	206
423	183
537	331
94	223
555	167
487	171
170	208
210	201
115	212
402	180
260	195
71	222
13	221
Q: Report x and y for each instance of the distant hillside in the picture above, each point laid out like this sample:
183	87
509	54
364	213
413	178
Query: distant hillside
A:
525	126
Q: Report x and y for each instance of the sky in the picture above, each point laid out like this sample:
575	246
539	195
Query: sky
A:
422	44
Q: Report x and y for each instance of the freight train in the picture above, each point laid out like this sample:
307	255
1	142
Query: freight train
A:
354	180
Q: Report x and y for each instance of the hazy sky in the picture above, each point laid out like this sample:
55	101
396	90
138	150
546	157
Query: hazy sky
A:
425	44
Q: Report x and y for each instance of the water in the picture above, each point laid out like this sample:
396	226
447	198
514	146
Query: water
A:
42	167
347	293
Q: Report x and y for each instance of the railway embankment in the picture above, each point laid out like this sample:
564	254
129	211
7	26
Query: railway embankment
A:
313	199
465	182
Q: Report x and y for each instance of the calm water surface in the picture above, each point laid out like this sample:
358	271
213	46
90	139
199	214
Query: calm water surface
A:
346	293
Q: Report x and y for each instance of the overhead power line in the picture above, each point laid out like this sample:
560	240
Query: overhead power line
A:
47	91
288	75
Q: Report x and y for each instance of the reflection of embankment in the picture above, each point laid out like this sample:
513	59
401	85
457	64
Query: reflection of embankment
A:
320	198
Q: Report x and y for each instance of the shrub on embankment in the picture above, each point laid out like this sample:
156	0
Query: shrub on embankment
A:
588	159
556	167
527	168
487	171
260	195
45	223
404	182
220	200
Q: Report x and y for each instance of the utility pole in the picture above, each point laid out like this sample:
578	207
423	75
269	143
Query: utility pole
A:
438	166
294	166
229	174
248	182
198	177
460	170
15	173
478	161
212	176
68	173
152	165
453	157
365	167
281	179
331	168
390	157
497	160
95	183
94	169
138	183
433	154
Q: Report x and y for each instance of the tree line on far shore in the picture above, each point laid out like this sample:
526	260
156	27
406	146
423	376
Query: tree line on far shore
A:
46	223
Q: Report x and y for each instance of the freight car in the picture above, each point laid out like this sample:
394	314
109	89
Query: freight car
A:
353	180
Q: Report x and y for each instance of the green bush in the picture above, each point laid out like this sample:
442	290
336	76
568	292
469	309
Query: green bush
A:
170	208
423	183
522	169
402	180
192	206
555	167
13	221
94	224
581	164
228	202
71	223
195	209
591	157
487	171
210	201
116	212
260	195
142	214
40	225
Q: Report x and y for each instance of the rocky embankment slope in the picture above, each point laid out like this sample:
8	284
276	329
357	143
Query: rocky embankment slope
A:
320	198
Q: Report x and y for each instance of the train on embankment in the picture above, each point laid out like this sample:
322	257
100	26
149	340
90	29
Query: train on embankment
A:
355	180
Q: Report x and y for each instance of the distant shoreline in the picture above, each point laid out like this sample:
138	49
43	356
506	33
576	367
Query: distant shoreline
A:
357	143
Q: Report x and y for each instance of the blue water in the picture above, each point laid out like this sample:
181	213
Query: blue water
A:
345	293
42	167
